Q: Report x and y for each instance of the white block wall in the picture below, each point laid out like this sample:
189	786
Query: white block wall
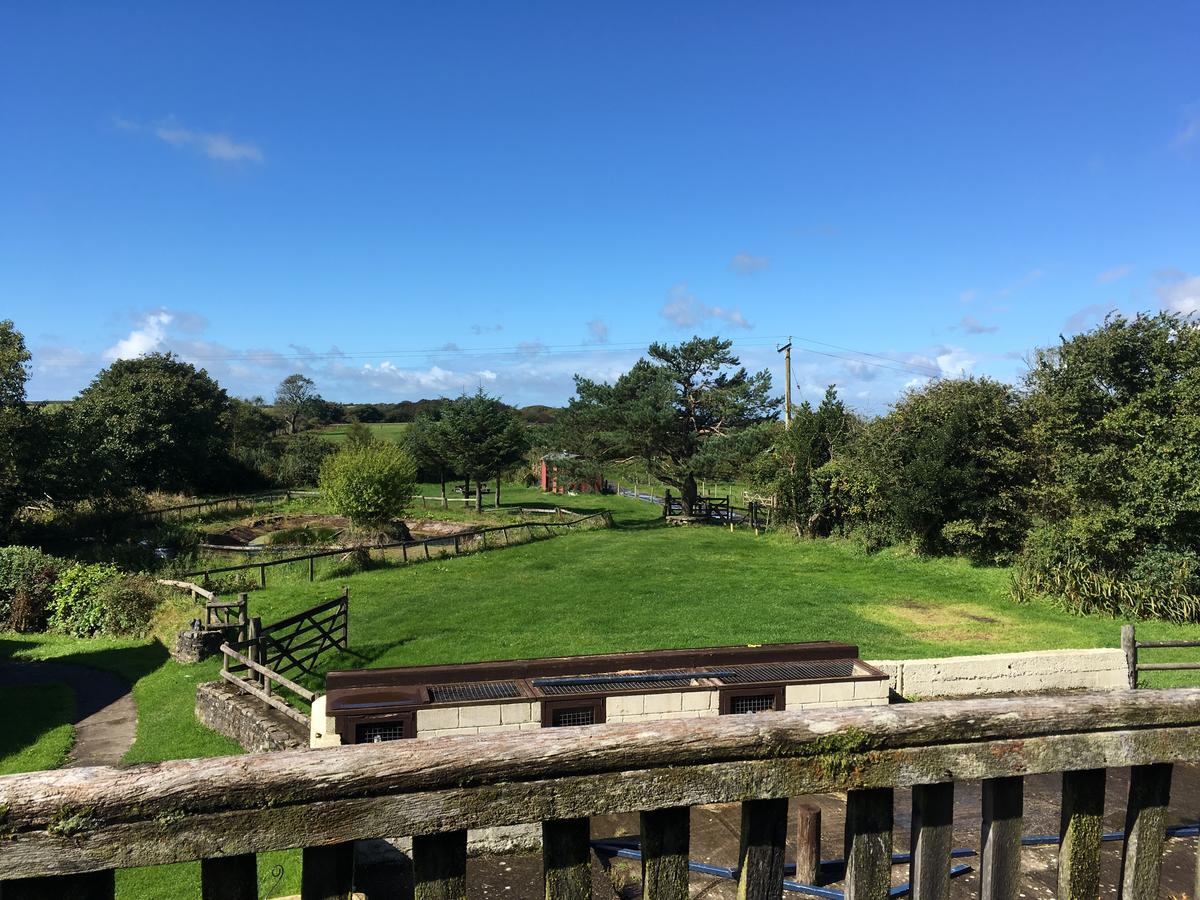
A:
1007	673
645	707
835	693
482	719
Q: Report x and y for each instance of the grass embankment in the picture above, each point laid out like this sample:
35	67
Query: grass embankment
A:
38	734
387	431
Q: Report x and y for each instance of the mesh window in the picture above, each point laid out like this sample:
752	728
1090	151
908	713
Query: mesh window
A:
565	718
752	704
379	732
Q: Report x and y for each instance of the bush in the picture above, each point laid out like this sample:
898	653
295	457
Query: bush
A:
27	578
77	607
300	462
369	485
129	603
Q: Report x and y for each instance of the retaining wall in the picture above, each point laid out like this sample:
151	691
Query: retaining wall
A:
1006	673
249	721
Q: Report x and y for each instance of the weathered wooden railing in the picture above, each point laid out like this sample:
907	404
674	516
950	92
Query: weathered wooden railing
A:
1133	647
64	832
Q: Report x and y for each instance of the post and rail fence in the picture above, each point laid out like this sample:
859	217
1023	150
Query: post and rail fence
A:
446	545
66	831
1133	647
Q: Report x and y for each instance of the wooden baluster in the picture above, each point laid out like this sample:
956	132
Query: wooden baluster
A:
764	834
1129	647
440	866
665	837
229	878
327	873
1000	856
932	840
1145	829
88	886
808	844
1081	826
869	844
567	859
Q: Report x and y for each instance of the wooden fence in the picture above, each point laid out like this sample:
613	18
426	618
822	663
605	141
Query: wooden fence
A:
1133	647
199	507
448	545
65	831
271	657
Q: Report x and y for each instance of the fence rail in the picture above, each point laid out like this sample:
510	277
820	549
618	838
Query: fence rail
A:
446	545
1133	647
68	829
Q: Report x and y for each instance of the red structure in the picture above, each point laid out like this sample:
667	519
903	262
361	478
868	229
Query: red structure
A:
552	484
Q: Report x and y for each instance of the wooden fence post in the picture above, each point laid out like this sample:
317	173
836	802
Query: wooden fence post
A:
764	834
229	878
808	844
243	615
1145	827
89	886
1000	856
665	838
1082	823
931	842
567	859
440	866
1129	645
327	873
869	844
312	571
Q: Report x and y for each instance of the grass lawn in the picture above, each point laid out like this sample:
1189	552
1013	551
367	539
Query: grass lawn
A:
391	431
38	733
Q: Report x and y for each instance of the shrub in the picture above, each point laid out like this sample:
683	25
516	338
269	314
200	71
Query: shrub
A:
26	579
369	485
77	607
300	462
129	603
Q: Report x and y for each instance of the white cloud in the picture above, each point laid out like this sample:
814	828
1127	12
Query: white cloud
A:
683	310
214	145
748	263
1180	293
1080	319
1113	274
597	332
148	337
955	361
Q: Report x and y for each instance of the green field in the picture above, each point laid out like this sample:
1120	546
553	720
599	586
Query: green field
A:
390	431
639	586
38	733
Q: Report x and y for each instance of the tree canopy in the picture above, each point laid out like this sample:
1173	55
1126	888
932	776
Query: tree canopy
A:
296	399
481	437
687	411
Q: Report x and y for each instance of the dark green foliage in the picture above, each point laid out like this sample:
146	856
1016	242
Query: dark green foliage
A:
129	603
77	606
27	577
358	435
1116	440
155	423
481	438
370	484
15	443
687	411
426	441
299	463
296	401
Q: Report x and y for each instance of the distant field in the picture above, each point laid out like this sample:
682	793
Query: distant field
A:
391	431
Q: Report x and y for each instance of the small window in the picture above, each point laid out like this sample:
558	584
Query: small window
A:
568	713
377	729
751	700
378	732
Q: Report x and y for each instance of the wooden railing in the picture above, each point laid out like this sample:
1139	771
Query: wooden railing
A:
1133	647
65	831
446	545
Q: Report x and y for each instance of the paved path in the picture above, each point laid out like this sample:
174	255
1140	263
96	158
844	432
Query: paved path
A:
105	714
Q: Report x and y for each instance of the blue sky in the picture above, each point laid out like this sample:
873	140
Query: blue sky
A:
406	200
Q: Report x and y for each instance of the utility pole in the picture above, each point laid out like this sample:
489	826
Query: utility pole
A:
786	350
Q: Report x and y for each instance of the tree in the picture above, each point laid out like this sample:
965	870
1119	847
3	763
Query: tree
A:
426	441
359	435
155	422
14	422
483	438
300	460
296	399
687	411
370	485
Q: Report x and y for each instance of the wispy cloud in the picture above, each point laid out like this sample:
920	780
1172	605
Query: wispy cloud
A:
683	310
1189	129
597	332
971	325
1179	292
1114	274
748	263
150	335
214	144
531	348
968	295
450	347
486	329
1021	283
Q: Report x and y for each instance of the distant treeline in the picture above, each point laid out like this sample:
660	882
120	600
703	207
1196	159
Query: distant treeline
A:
408	410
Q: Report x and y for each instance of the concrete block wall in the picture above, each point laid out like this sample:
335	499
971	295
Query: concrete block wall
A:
1007	673
458	720
835	693
647	707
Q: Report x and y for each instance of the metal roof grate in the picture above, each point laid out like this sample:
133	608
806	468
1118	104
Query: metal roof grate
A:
808	670
607	684
474	690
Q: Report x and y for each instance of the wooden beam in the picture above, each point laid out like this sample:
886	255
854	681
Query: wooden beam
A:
327	872
808	844
1145	830
932	840
666	834
229	878
1000	855
440	866
567	859
869	844
761	859
1082	824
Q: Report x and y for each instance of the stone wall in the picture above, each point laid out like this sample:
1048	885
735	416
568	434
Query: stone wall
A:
1006	673
249	721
